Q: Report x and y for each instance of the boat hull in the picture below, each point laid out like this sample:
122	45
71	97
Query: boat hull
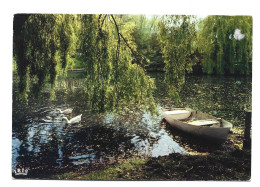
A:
214	133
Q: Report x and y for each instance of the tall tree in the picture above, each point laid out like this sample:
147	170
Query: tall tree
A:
114	67
226	44
41	41
145	36
177	34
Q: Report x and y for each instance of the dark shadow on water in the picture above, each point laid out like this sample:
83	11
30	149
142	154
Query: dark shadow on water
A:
193	144
49	146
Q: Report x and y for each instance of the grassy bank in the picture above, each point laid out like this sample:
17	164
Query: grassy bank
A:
227	162
229	166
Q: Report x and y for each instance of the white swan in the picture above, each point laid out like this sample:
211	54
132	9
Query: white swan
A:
67	111
74	120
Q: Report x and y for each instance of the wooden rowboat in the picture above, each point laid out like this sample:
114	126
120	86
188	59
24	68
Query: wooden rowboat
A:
198	123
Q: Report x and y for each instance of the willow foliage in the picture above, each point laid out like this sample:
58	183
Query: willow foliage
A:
106	49
45	43
226	44
177	34
41	42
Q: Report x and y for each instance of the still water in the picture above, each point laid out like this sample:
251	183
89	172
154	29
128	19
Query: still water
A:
41	141
222	96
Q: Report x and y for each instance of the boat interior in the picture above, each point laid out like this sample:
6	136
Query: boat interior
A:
193	117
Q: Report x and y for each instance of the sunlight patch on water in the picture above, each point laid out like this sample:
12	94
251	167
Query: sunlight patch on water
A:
152	121
166	145
109	118
141	146
158	144
15	151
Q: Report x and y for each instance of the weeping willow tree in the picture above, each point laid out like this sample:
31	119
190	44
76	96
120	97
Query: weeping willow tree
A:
176	36
114	73
41	42
226	44
45	43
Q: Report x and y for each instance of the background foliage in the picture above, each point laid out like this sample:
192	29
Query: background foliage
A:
116	51
224	52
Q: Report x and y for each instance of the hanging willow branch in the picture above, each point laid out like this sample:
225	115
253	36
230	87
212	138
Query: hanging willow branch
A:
137	57
118	43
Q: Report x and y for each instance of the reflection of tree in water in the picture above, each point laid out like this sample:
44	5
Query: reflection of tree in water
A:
101	140
39	149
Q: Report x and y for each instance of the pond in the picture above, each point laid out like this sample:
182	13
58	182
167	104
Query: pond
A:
222	96
42	143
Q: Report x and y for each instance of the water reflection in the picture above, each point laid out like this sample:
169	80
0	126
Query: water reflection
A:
41	141
98	139
15	151
166	145
141	146
157	142
222	96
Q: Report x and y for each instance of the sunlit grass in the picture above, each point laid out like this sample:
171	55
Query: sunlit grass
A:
111	173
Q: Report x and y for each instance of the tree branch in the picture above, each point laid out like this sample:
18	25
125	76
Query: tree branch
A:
118	41
138	57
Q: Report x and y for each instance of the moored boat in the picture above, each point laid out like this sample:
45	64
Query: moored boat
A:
198	123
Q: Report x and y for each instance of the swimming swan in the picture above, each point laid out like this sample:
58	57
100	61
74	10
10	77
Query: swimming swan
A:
74	120
67	111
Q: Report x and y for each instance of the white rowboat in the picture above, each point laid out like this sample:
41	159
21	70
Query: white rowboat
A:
198	123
